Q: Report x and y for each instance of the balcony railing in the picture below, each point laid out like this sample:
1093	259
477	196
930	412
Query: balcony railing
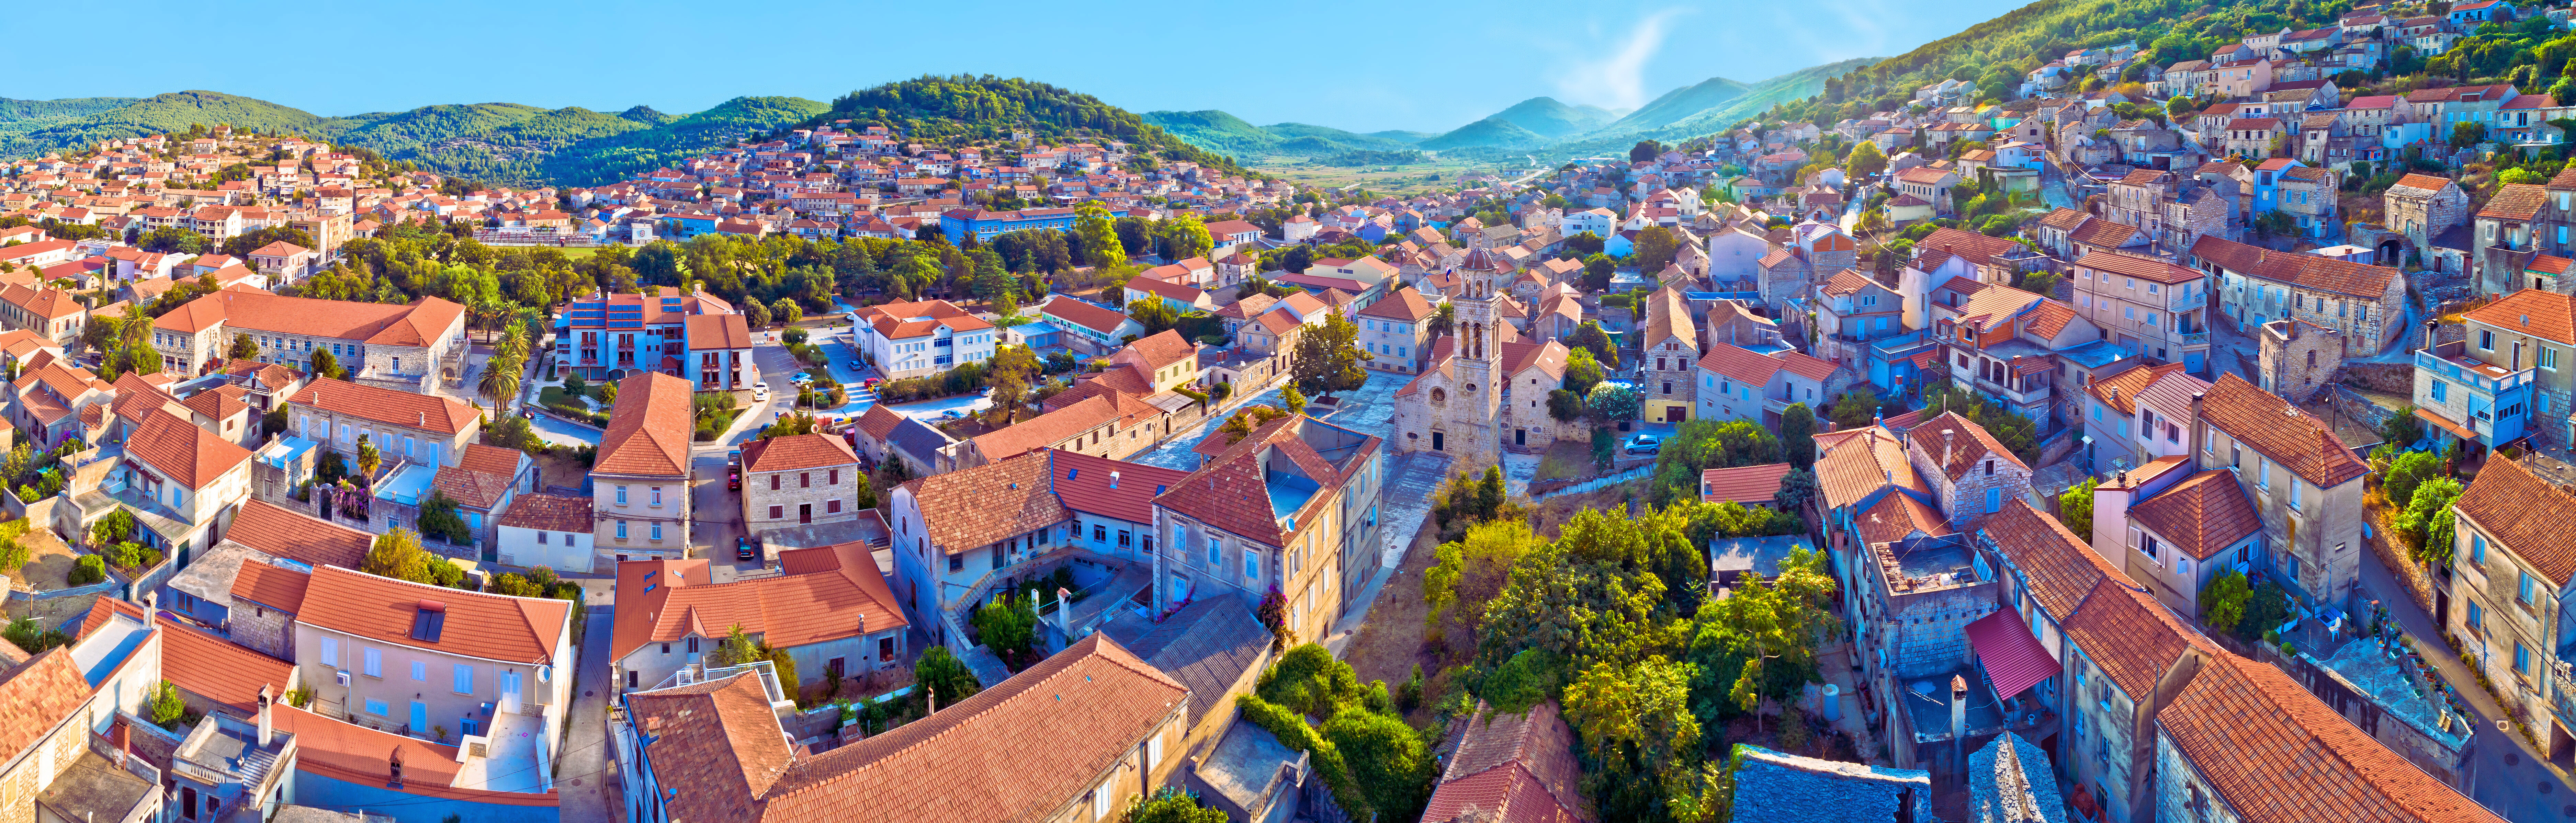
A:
2197	338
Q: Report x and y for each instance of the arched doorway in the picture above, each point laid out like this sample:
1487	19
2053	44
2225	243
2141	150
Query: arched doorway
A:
2391	252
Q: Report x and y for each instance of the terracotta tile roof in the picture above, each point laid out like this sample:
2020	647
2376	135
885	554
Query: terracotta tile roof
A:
2128	634
549	512
1406	305
2061	568
718	738
436	413
1854	463
278	532
218	670
1751	485
355	754
2048	318
2136	266
1898	515
648	430
970	761
2202	515
1232	490
246	308
1804	365
220	402
1548	357
2425	185
2281	431
1082	482
717	331
276	587
35	697
1512	769
972	508
1971	444
829	593
878	422
2543	314
191	456
2120	391
797	452
1668	316
2516	201
490	626
1844	282
2304	270
1083	314
2278	753
470	488
2104	233
1745	366
1164	348
1050	429
2526	514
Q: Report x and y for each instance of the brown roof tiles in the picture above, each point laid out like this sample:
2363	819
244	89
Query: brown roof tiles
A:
2526	514
2281	431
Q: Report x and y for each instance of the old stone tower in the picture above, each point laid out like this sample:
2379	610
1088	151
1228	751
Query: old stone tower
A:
1456	406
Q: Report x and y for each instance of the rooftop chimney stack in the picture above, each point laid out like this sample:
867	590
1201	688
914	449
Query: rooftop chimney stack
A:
1945	446
1959	721
267	730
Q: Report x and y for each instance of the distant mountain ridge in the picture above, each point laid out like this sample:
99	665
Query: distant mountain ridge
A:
1218	131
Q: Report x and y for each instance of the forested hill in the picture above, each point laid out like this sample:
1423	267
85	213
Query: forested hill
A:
984	107
1995	54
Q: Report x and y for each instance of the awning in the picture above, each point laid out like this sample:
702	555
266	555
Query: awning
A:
2445	423
2014	660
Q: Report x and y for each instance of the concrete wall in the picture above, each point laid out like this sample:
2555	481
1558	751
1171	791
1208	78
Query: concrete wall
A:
311	789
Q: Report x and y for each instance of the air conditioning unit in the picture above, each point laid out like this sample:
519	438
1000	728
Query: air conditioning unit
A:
341	676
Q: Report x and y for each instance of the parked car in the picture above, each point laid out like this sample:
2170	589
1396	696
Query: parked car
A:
744	549
733	480
528	414
871	383
760	394
1645	444
858	366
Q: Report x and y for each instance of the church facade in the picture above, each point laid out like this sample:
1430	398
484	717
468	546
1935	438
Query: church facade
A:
1485	389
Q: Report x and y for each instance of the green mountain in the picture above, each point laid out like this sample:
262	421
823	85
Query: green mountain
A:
602	159
1491	132
985	107
394	133
517	152
15	114
164	113
1402	136
1221	132
1678	104
1546	117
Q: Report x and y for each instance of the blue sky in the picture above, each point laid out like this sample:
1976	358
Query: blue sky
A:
1428	66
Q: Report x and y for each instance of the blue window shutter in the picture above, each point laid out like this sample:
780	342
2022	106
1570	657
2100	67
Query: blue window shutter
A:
1994	500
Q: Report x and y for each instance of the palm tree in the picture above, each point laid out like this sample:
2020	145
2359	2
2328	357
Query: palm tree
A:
500	383
513	346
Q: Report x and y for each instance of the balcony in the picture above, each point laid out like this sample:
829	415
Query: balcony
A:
2197	338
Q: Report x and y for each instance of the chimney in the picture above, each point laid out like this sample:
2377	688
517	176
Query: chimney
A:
1959	721
266	730
2429	325
2198	401
1064	614
1113	479
1945	446
931	694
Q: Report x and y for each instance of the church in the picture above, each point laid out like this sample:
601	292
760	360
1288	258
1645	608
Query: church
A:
1485	389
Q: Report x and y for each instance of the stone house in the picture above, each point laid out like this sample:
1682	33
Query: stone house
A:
2306	484
1972	474
1396	332
2297	358
1535	370
797	480
2419	208
1669	357
2146	305
1739	384
393	654
640	480
831	610
1291	507
2509	588
2533	332
2133	417
2257	286
2127	658
428	430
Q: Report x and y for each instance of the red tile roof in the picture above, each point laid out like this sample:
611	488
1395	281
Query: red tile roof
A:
381	324
2543	314
1853	463
1751	485
35	697
2281	431
1512	768
648	430
796	452
973	508
2291	757
436	413
1083	481
489	626
830	593
1970	444
2526	514
2202	515
191	456
2061	567
549	512
1897	516
282	533
1094	701
2128	634
217	669
2305	270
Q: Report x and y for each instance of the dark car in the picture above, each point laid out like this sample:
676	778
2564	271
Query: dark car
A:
530	414
744	549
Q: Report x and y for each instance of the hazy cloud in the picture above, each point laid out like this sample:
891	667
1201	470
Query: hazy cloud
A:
1617	79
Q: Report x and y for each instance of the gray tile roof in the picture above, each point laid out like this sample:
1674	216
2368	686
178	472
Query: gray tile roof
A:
1207	645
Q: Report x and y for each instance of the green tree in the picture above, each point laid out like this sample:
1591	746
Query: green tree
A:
2425	525
398	554
756	313
167	707
1654	248
1864	160
2467	133
1009	626
1099	237
737	649
1763	647
1470	571
1388	761
1154	314
499	382
438	516
1636	727
943	677
1645	150
244	347
1798	435
369	459
2402	428
786	311
1613	402
2407	472
1183	236
1327	357
1591	337
1699	445
2075	508
327	367
2223	601
1295	400
1582	372
1171	805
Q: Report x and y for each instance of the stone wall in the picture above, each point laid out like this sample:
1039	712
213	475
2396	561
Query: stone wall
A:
2386	378
2296	359
2352	406
262	629
1928	632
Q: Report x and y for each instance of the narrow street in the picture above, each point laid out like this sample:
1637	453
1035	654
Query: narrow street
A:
2504	773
